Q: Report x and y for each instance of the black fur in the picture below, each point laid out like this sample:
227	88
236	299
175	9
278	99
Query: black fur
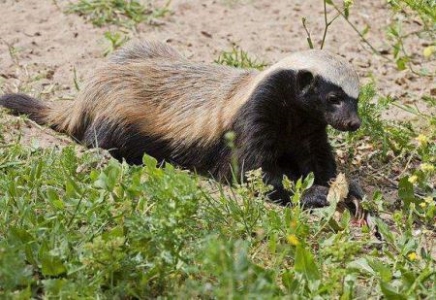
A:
129	143
282	129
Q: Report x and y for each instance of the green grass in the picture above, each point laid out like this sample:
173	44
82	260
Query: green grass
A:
75	225
81	227
240	59
116	40
118	12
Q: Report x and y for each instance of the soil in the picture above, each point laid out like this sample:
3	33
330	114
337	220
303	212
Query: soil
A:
45	52
50	46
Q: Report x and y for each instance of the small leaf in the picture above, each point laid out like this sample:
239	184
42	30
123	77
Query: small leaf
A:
362	266
383	271
365	30
21	234
305	264
389	291
308	181
385	231
290	282
116	232
405	191
149	162
72	189
51	265
401	63
53	197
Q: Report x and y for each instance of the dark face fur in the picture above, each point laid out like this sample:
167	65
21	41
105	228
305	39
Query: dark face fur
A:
333	105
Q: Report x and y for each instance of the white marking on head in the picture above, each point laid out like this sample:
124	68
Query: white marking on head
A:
332	68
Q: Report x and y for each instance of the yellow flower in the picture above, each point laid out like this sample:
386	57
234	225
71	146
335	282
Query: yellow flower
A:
422	140
428	51
293	240
413	179
413	256
426	167
428	200
423	204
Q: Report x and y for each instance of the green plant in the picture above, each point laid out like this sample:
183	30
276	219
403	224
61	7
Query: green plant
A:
398	139
344	12
402	153
239	58
119	12
425	11
403	10
75	224
116	40
417	186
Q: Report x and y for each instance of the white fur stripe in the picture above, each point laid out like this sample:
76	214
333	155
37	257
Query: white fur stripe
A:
330	67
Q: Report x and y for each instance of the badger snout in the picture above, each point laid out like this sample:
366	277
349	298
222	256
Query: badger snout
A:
348	124
353	124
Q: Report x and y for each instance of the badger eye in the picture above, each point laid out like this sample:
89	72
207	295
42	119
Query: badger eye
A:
334	99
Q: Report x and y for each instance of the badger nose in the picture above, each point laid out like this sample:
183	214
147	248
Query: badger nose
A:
354	124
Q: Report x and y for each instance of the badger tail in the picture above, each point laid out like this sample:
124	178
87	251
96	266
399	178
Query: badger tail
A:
21	104
62	117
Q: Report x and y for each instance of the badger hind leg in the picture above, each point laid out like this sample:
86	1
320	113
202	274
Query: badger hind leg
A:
21	104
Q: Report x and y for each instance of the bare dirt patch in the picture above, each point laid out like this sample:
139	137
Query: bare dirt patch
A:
50	43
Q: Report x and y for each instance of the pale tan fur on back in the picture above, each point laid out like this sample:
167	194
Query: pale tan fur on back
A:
153	87
166	97
145	50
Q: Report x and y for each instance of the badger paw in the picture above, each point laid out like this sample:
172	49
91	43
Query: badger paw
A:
315	197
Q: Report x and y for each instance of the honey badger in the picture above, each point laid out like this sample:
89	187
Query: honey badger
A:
150	99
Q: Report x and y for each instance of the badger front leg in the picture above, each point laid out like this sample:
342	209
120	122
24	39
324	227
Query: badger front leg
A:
275	167
321	161
274	178
323	166
259	152
315	196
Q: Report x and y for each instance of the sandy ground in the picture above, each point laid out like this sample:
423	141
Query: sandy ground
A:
44	51
49	44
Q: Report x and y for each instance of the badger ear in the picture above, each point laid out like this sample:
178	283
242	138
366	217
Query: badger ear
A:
305	80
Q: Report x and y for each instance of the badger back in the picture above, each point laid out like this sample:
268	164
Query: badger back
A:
145	50
180	102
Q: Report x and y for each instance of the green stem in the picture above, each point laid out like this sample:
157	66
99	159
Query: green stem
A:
359	33
326	24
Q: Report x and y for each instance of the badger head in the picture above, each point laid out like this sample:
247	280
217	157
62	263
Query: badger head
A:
326	86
